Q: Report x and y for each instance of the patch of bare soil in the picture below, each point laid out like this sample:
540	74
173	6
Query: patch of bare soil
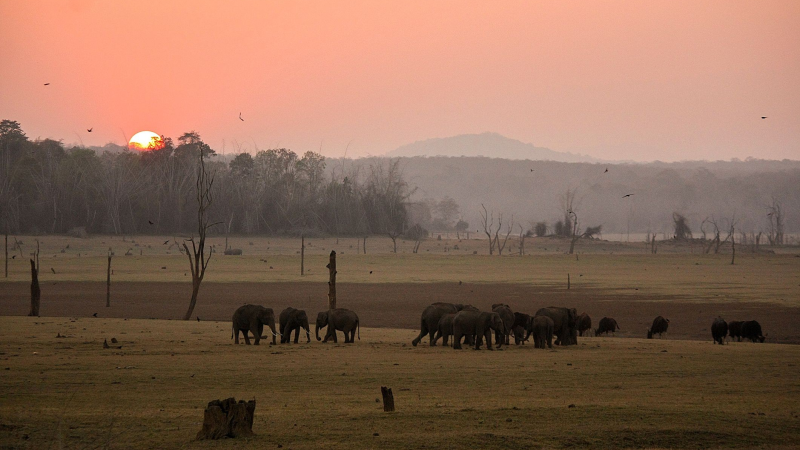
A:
395	305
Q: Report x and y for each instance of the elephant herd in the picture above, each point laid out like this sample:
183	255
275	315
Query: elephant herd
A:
465	323
750	329
252	318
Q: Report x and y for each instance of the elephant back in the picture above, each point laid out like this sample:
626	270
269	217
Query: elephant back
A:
466	321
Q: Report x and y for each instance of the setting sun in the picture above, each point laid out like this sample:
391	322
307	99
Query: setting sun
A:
145	141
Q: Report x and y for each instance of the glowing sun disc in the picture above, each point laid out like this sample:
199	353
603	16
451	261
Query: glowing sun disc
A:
145	140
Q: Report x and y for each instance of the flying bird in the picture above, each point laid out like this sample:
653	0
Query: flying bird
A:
90	129
47	84
606	170
626	195
166	242
240	117
94	315
150	222
54	270
763	117
370	272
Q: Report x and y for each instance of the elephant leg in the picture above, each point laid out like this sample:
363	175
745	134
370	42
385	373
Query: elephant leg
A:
246	338
236	331
444	339
422	332
457	340
488	335
296	335
332	332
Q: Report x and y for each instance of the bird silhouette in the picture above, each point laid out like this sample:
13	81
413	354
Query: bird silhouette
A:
763	117
370	272
198	318
94	315
54	270
150	222
531	170
90	129
105	343
606	170
240	117
166	242
47	84
626	195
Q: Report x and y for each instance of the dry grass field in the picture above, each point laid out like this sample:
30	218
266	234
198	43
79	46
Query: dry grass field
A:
627	392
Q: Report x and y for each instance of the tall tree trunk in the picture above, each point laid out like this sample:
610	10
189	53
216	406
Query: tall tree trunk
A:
332	281
302	254
36	292
6	249
108	282
193	301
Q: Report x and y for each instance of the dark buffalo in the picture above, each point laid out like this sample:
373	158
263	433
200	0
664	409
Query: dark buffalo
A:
735	330
520	325
752	330
719	329
584	323
607	325
660	326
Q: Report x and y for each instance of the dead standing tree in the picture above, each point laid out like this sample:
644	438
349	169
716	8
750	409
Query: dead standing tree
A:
488	226
775	233
332	281
198	261
36	291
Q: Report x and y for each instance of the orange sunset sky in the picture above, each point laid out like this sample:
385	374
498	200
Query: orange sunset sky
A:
640	80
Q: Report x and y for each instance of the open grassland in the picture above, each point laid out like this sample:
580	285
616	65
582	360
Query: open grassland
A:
629	271
604	393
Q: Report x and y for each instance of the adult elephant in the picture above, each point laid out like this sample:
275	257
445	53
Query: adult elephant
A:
252	318
659	327
429	322
542	329
735	330
477	323
752	330
292	319
719	330
565	322
521	323
338	319
584	323
507	315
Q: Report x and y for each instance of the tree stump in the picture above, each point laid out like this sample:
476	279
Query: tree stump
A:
227	418
388	399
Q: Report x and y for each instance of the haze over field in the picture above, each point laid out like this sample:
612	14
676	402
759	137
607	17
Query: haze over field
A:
618	80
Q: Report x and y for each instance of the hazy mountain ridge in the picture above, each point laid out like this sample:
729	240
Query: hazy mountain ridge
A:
492	145
531	190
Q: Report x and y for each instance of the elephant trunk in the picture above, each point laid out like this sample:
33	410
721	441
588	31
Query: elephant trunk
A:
272	327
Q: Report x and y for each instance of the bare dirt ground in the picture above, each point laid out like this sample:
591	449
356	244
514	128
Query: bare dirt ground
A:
396	305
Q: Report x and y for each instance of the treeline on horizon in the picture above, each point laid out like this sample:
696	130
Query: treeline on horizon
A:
48	188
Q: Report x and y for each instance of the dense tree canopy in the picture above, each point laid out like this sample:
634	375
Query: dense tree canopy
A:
47	188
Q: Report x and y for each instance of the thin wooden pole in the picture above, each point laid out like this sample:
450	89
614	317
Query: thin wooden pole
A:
567	281
302	254
108	282
6	249
332	282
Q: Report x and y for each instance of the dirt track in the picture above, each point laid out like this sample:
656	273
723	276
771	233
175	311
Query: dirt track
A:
392	305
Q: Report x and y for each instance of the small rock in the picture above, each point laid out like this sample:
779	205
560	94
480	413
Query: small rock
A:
571	405
509	419
375	434
113	340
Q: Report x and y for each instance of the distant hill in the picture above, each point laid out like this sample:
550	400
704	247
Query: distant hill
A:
491	145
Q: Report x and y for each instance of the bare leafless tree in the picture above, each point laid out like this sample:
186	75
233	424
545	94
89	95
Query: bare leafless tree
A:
198	261
521	241
509	228
488	226
775	215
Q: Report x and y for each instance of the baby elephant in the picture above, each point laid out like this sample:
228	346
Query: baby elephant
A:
542	329
252	318
480	324
293	320
338	319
